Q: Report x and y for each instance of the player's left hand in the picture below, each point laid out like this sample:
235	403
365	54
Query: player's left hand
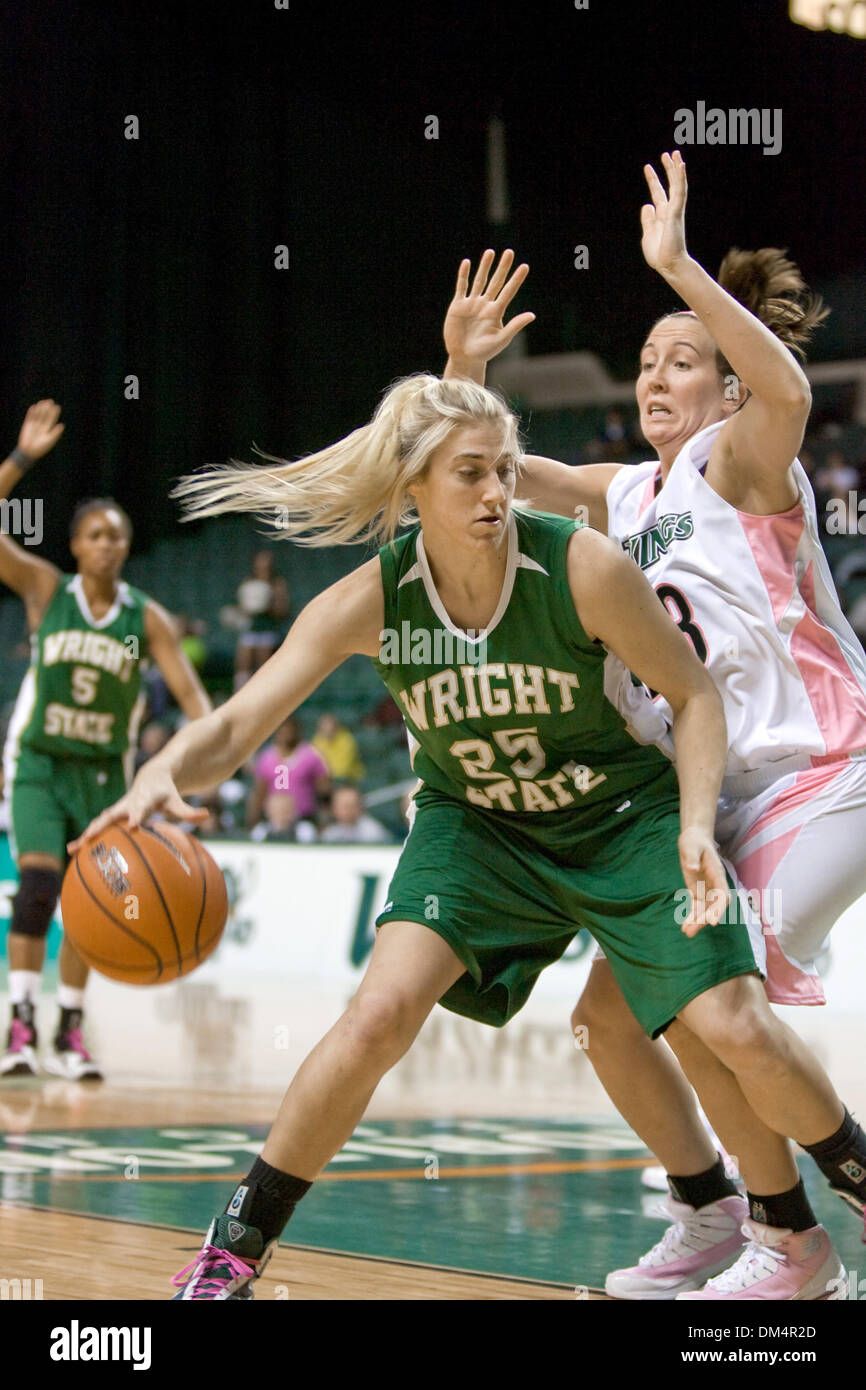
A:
705	878
664	219
474	330
40	430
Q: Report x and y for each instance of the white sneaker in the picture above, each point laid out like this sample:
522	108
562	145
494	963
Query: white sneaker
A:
19	1059
701	1242
70	1059
778	1265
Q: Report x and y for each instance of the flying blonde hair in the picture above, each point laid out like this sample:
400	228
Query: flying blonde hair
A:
356	489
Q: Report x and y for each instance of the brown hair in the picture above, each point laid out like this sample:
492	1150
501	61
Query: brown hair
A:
773	289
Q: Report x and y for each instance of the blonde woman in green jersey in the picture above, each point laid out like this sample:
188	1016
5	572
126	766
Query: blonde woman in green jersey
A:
71	733
499	634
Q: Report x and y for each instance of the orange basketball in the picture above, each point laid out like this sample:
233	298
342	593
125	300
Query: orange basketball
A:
144	906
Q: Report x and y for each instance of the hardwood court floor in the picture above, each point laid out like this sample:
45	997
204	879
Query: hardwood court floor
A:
106	1190
79	1257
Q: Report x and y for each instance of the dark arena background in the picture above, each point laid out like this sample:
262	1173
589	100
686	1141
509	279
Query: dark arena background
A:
228	228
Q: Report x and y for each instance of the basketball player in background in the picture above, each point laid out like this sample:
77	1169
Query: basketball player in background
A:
72	732
542	807
723	524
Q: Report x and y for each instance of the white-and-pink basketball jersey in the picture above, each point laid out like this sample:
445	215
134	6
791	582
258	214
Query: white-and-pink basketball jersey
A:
755	596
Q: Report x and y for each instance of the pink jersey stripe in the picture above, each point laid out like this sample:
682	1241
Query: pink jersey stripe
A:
773	541
649	492
836	698
804	788
837	701
786	983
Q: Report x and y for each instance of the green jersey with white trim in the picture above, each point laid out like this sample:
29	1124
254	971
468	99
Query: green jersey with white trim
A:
80	697
519	720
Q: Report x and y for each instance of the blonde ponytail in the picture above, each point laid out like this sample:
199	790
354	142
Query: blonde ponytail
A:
356	489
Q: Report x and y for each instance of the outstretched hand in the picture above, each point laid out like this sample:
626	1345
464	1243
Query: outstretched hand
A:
664	219
40	430
475	330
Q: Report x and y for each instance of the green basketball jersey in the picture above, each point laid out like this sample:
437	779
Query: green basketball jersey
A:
522	719
80	697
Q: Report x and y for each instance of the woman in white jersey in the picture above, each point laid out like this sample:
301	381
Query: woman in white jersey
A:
723	525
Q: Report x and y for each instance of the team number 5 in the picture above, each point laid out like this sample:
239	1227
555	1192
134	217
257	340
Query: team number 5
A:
84	683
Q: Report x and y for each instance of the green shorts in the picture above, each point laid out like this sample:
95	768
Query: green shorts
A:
54	799
508	906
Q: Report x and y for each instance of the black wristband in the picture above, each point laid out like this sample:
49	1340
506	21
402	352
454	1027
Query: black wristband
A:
22	461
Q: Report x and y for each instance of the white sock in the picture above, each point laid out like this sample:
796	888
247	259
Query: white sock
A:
69	998
24	984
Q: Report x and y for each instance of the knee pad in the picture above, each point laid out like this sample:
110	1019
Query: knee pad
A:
34	903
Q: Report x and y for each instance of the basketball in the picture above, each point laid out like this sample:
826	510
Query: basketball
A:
144	905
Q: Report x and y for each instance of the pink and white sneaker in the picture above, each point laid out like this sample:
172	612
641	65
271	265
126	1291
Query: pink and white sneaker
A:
781	1266
701	1242
19	1059
70	1059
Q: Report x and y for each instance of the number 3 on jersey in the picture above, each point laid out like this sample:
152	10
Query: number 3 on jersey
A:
682	613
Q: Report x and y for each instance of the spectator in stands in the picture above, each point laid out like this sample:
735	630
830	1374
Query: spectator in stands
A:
616	442
339	748
386	715
263	598
837	481
154	736
281	821
191	632
289	767
350	823
837	477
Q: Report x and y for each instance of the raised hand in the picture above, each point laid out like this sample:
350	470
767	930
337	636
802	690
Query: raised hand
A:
474	329
40	430
664	219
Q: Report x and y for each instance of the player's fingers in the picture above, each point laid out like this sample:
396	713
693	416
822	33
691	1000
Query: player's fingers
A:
176	806
462	280
482	272
676	170
657	193
500	274
647	217
511	330
114	813
512	285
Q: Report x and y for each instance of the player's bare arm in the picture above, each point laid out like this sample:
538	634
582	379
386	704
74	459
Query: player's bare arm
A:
617	606
750	462
178	671
29	576
343	621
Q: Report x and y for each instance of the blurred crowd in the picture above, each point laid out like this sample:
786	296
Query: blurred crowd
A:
293	789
